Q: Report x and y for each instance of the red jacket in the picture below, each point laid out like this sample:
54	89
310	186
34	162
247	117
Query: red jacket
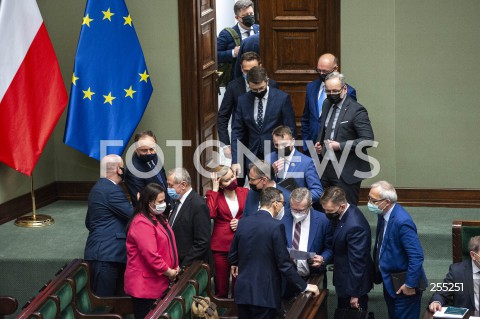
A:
150	252
222	234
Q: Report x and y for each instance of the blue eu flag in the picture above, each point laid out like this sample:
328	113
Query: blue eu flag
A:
110	83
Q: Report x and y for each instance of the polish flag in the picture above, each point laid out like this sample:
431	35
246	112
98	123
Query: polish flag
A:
32	92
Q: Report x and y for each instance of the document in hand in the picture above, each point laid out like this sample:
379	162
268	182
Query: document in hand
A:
300	255
450	312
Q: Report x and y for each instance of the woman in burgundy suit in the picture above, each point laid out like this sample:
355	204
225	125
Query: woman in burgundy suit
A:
226	202
152	259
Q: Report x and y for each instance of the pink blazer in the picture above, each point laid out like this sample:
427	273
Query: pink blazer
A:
150	252
222	234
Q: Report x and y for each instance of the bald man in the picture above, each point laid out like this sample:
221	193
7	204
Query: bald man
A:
108	213
311	118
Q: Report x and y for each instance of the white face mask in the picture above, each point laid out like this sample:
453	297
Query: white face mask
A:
280	214
298	217
159	208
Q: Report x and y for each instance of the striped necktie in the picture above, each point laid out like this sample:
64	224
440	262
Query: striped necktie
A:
296	236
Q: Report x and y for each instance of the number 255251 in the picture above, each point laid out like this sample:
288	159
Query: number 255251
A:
446	286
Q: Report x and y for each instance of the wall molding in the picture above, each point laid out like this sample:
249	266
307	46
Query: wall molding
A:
64	190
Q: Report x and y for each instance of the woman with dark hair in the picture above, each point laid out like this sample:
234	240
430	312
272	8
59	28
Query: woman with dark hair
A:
152	259
226	202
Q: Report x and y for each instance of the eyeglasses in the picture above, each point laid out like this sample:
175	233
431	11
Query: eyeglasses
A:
304	212
374	201
280	201
325	72
251	179
328	92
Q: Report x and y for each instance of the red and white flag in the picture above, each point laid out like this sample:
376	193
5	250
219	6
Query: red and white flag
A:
32	92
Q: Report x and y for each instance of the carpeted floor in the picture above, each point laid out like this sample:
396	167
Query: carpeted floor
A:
31	256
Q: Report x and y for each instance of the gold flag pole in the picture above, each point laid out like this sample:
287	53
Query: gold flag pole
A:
34	220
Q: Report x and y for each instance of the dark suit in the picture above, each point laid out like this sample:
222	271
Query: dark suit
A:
259	249
250	44
352	126
352	275
311	120
301	165
279	111
192	230
108	213
135	184
458	273
400	251
253	201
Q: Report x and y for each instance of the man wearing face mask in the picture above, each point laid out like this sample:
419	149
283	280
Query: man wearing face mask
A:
260	260
145	167
353	266
258	113
346	129
464	278
260	176
288	162
315	96
397	251
227	49
108	213
190	218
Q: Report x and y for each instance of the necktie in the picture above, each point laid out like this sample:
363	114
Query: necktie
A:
260	114
247	33
296	235
379	242
331	120
174	212
321	98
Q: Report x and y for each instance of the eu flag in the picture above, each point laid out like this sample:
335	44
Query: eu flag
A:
110	82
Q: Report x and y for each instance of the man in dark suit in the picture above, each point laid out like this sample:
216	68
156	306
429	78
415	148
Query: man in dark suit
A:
236	88
260	176
144	167
227	49
108	213
289	163
258	113
259	259
460	281
250	44
397	250
315	96
352	274
190	219
346	129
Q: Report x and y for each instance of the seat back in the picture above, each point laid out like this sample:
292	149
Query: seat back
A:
202	278
462	231
175	310
48	310
82	298
65	296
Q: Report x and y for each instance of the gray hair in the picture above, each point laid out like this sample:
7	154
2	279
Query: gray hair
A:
180	175
387	191
299	194
241	4
474	244
109	165
336	75
262	169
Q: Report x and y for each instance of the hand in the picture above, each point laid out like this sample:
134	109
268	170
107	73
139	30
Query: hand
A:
171	273
227	151
318	147
279	165
235	51
435	306
317	261
313	289
329	144
215	181
234	270
234	224
406	291
236	169
138	196
354	303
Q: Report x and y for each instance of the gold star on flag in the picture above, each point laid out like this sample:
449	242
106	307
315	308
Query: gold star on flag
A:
74	79
88	94
128	20
107	15
87	20
129	92
144	76
109	98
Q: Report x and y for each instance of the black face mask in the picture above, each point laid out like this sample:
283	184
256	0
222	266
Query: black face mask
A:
254	188
260	94
248	21
122	176
147	157
322	76
334	98
333	215
286	151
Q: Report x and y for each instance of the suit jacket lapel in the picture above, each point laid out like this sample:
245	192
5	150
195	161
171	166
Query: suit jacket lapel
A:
288	228
341	115
184	207
312	231
388	224
340	225
314	99
268	108
468	273
325	109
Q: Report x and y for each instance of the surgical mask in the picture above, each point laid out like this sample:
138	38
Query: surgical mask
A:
374	209
334	98
232	186
159	208
280	214
147	157
298	217
172	193
248	21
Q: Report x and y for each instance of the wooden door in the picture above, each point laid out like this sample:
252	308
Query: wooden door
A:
293	34
198	42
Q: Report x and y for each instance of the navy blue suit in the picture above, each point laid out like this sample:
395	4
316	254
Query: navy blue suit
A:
250	44
253	201
311	122
279	111
301	165
108	213
259	249
352	275
401	251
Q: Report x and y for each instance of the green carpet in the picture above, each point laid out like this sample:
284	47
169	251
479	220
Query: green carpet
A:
31	256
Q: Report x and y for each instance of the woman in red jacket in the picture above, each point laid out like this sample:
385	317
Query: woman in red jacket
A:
152	259
226	202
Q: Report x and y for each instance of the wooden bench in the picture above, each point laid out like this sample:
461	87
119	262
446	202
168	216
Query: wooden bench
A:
69	295
8	305
306	306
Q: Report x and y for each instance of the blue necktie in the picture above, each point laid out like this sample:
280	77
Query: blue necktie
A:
321	98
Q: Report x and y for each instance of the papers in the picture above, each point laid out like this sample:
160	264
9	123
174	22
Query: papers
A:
300	255
451	312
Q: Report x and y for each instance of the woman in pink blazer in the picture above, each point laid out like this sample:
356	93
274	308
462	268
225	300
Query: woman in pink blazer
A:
152	259
226	202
